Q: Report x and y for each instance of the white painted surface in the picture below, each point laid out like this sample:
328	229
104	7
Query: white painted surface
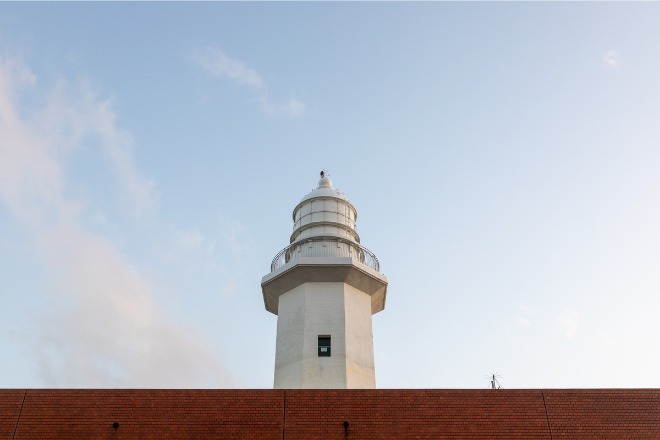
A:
324	288
324	212
324	269
315	309
359	344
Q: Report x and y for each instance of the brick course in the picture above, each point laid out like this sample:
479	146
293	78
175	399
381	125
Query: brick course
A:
415	414
604	414
151	414
10	408
320	414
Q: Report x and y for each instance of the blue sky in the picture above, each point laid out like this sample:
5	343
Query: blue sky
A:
503	159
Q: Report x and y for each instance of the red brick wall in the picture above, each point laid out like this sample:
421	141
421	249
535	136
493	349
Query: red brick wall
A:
603	414
320	414
10	407
418	414
151	414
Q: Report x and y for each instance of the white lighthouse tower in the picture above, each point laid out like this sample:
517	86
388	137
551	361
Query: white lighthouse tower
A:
324	287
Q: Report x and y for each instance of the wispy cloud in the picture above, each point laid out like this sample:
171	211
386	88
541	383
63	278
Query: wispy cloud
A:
292	108
525	315
524	322
218	64
107	328
189	240
611	59
75	112
568	322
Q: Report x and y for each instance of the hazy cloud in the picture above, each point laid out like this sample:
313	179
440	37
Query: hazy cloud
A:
525	315
568	322
293	108
105	327
218	64
75	112
524	322
30	178
190	239
611	59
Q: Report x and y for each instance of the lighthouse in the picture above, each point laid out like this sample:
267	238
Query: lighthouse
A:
324	287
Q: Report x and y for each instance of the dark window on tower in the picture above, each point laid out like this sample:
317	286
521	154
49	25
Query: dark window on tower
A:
324	346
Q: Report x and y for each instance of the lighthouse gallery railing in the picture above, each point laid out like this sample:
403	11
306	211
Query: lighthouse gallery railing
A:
325	247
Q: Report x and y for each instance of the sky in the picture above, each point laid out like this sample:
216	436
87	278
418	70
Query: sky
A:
503	159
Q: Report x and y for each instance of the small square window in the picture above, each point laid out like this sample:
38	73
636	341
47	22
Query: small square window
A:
324	346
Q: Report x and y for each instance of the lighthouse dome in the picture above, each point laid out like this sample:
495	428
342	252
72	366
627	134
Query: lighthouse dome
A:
324	212
324	189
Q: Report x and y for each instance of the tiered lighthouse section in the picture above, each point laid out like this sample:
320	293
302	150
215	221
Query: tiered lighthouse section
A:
324	287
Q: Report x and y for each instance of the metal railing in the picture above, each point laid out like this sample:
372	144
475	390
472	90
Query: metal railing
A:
325	247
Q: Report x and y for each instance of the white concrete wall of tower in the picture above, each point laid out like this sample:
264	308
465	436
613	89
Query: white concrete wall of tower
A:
314	309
